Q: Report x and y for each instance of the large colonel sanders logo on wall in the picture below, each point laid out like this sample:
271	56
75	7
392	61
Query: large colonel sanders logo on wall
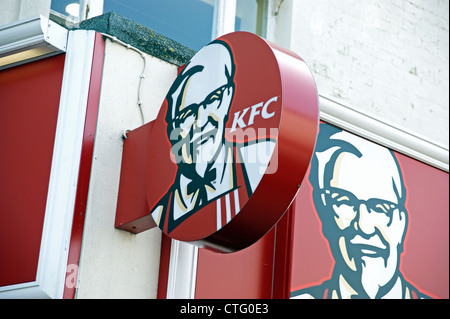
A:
374	223
231	143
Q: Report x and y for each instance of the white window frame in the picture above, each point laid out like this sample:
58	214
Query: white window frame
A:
91	8
29	40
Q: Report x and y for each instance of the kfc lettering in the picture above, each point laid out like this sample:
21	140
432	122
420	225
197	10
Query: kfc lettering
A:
239	117
229	147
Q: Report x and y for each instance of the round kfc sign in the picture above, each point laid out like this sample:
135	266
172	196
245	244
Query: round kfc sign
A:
232	143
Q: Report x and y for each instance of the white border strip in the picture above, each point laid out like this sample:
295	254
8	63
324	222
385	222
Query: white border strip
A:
384	133
182	270
59	211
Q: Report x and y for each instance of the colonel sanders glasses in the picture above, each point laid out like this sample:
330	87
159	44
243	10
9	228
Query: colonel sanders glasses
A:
345	204
213	99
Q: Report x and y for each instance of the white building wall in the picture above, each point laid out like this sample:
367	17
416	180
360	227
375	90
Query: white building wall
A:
115	263
388	59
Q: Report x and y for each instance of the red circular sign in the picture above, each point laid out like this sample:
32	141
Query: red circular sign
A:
231	143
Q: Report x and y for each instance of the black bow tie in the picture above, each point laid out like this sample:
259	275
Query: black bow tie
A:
200	184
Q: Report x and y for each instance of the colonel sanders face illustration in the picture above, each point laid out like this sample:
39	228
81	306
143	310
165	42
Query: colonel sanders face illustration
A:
360	196
198	106
216	172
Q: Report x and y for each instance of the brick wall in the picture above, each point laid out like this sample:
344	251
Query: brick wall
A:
389	59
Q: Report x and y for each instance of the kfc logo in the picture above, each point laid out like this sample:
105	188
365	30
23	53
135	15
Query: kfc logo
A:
216	140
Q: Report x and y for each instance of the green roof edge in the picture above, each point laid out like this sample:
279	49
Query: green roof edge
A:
139	37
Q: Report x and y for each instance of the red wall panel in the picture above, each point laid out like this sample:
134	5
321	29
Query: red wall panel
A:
29	102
